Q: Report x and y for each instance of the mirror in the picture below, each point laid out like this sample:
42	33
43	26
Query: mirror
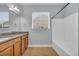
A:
4	19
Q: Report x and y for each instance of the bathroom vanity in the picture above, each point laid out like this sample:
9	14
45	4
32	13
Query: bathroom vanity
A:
13	44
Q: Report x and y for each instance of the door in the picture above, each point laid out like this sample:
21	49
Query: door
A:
17	48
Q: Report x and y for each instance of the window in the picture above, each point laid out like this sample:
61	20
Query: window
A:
4	19
41	20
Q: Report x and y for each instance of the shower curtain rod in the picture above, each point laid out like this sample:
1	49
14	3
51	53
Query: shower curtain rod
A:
60	10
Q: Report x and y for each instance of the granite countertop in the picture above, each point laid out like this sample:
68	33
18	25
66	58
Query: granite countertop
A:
9	36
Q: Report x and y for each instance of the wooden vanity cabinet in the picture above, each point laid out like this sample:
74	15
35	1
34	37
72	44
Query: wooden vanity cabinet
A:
24	43
7	52
15	46
27	40
11	48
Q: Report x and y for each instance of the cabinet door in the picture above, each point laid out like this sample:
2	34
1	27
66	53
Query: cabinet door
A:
23	45
7	52
17	48
26	43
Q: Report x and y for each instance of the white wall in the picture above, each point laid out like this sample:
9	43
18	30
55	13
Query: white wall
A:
57	29
58	35
38	37
71	34
65	32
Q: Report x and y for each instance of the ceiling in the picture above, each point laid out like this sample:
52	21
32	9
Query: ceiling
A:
42	3
52	7
35	3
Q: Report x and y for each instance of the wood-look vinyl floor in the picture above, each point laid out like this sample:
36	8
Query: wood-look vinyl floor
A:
40	51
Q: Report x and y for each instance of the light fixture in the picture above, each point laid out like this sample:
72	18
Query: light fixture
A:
13	8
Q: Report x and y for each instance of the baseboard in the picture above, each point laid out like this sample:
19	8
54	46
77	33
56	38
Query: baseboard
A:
39	45
60	51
